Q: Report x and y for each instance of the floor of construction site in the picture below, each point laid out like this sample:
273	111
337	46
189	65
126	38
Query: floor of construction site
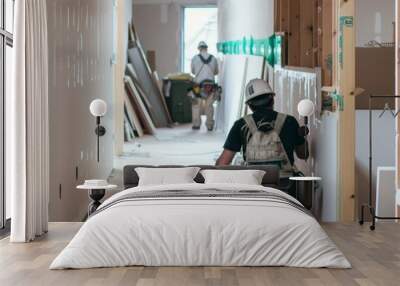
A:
179	145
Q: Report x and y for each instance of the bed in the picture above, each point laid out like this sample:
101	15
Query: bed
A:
199	224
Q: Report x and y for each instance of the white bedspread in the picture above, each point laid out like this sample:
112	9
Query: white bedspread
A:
200	231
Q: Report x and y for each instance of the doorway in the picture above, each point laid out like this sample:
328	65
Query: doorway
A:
199	24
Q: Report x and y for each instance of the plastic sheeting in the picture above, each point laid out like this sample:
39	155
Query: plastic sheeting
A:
291	85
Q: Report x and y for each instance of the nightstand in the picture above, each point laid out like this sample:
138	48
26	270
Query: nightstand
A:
96	191
306	188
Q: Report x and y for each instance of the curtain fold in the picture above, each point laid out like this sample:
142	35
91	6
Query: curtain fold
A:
29	151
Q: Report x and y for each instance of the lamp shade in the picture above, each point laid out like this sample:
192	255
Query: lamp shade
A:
98	107
305	108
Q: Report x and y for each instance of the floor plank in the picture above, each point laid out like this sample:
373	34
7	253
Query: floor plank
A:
375	257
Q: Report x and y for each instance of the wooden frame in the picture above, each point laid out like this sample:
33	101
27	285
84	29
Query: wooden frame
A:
308	27
345	65
315	31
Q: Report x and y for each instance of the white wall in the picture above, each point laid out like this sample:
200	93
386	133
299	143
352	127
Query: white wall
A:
235	21
80	70
324	150
374	21
383	152
124	18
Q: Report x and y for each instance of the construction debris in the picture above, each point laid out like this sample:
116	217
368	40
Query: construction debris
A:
145	106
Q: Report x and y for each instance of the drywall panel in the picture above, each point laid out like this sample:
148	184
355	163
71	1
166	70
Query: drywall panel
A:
80	70
124	17
232	81
374	21
386	192
159	113
324	152
254	69
383	151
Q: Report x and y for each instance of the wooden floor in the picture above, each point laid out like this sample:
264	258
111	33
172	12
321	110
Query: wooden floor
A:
375	257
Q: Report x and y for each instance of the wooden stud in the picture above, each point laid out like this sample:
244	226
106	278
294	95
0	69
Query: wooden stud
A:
294	34
285	15
346	70
277	16
326	44
306	33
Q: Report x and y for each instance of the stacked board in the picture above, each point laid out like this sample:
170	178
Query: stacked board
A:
145	108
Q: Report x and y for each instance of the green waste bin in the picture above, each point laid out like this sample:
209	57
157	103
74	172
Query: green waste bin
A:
178	101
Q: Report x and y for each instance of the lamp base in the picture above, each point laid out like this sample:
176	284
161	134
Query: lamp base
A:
100	130
303	131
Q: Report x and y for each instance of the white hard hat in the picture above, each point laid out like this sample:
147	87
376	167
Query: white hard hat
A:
257	87
202	44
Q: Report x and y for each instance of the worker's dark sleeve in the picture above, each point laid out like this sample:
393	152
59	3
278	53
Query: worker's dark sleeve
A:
293	127
234	140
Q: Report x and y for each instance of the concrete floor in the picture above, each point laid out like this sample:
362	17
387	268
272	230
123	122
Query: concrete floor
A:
179	145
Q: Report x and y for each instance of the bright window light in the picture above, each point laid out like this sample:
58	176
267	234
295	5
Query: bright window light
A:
200	24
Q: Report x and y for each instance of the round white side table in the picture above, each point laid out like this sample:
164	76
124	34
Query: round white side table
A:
96	193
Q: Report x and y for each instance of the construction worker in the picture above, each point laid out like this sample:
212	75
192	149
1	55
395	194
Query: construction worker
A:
205	68
266	136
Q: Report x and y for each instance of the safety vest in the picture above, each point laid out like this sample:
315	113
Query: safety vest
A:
266	148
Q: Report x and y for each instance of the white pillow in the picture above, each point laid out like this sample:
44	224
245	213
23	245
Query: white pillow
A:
245	177
166	176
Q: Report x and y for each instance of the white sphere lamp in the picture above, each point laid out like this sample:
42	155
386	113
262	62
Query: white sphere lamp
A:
306	108
98	108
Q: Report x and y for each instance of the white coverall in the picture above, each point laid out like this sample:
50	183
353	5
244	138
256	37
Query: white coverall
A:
199	105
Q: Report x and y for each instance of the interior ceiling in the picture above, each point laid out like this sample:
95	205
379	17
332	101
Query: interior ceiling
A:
183	2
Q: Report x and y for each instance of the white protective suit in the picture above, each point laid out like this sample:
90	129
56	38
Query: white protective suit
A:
204	71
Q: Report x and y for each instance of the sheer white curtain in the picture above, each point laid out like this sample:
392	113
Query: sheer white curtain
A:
27	118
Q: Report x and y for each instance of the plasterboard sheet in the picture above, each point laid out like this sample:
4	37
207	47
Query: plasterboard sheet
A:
132	115
158	112
254	69
232	82
324	153
137	102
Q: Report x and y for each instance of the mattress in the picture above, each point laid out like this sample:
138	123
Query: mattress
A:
201	225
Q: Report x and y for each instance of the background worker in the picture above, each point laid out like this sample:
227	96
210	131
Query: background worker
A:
265	137
205	68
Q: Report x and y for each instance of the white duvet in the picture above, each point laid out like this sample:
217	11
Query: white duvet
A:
202	232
